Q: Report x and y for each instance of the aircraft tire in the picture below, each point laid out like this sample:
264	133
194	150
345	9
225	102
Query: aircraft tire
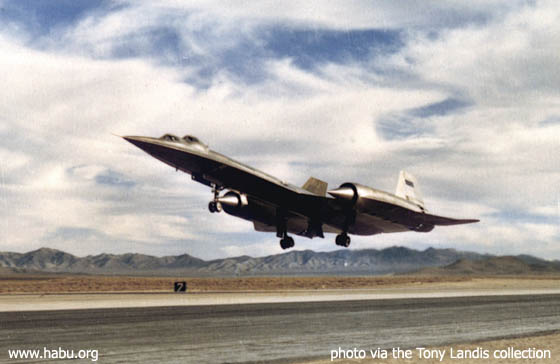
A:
291	242
287	242
214	206
343	240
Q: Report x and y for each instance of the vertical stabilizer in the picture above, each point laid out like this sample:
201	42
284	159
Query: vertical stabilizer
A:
316	186
407	188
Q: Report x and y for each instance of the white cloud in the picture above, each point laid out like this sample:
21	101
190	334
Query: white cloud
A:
264	248
153	228
509	62
353	14
552	210
508	238
10	161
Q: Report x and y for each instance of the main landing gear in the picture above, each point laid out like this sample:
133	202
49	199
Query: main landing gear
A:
343	240
214	205
287	242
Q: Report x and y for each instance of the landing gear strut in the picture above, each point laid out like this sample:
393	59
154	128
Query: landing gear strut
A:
214	205
282	232
343	240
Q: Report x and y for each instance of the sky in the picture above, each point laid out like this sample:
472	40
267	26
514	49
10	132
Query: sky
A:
464	95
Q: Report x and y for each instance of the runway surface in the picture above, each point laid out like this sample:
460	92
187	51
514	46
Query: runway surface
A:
66	301
275	331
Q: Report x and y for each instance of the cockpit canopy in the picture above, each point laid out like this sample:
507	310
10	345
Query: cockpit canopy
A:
170	138
189	140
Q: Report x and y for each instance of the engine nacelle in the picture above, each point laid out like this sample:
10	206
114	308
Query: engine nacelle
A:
233	200
237	204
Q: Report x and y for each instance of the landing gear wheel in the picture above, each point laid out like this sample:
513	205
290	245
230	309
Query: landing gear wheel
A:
343	240
291	242
287	242
214	206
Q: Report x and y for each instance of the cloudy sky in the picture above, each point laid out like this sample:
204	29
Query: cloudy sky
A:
464	95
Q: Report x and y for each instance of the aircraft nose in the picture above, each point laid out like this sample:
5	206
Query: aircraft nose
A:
133	140
137	140
144	143
130	139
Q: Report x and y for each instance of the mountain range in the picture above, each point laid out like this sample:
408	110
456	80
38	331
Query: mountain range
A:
504	265
306	262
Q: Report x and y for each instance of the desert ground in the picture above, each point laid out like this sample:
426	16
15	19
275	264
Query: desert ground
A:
548	341
62	283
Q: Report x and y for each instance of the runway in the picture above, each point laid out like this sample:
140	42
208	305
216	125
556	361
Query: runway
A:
67	301
275	331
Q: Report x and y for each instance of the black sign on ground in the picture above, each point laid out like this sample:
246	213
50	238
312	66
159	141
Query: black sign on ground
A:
180	286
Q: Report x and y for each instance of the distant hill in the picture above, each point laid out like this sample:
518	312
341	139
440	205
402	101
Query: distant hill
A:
296	262
505	265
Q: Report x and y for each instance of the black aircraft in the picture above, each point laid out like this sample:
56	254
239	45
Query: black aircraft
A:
276	206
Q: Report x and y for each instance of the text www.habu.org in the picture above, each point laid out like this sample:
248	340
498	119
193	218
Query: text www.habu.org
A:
60	353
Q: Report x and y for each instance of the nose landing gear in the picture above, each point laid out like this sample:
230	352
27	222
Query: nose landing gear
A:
214	205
